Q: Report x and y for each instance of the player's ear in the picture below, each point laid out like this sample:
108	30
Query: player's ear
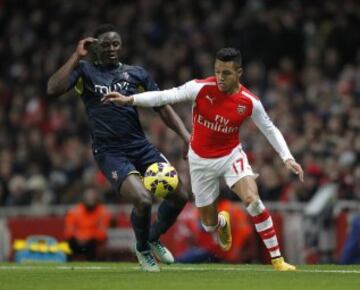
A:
239	71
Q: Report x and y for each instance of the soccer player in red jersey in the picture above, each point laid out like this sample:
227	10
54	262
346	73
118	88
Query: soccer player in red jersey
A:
220	105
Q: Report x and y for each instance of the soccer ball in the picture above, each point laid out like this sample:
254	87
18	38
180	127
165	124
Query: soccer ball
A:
161	179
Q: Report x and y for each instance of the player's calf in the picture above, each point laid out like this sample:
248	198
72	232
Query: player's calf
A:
265	227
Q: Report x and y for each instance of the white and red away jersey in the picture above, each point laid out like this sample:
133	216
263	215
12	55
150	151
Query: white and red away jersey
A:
217	116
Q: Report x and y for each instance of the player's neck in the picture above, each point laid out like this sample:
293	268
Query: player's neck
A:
112	65
108	65
234	90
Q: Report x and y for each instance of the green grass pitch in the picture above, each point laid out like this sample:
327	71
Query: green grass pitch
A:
124	276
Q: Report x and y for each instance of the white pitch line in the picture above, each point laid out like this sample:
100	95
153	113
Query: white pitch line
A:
171	268
86	268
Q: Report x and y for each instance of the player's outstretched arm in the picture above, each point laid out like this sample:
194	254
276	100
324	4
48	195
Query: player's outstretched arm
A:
186	92
59	81
276	139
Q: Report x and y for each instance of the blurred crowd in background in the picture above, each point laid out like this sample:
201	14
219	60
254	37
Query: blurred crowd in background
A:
301	57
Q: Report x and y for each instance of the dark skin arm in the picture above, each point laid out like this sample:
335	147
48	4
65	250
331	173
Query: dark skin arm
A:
173	121
58	82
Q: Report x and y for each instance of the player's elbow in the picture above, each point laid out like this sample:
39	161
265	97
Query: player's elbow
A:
50	88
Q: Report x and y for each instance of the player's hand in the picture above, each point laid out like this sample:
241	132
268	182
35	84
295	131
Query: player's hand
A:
117	98
295	167
82	48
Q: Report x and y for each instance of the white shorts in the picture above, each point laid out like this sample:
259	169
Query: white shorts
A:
205	174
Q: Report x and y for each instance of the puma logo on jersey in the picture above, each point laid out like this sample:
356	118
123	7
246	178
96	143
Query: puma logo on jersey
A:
211	99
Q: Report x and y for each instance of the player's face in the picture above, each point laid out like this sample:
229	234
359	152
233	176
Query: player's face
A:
227	76
108	48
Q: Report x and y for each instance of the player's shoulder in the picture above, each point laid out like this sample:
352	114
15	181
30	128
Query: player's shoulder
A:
249	95
207	81
203	84
85	64
87	67
194	86
135	70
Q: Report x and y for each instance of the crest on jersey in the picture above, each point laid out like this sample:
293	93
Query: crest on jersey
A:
114	175
126	75
241	109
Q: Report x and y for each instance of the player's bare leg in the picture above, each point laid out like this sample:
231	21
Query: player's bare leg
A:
168	212
212	221
133	191
246	189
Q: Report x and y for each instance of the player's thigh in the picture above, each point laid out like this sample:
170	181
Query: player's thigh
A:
123	176
204	180
246	189
239	175
180	195
236	166
132	190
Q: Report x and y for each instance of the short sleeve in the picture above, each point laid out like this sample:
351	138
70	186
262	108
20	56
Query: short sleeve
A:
150	85
148	82
76	74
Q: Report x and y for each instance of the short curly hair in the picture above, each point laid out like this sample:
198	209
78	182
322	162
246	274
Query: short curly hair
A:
106	27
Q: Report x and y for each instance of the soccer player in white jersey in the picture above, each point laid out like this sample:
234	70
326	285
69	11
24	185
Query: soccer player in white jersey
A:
220	105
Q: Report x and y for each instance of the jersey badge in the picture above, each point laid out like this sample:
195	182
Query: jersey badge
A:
241	109
126	75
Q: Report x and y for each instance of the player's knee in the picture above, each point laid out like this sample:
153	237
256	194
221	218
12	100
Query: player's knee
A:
180	197
256	206
250	198
143	203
